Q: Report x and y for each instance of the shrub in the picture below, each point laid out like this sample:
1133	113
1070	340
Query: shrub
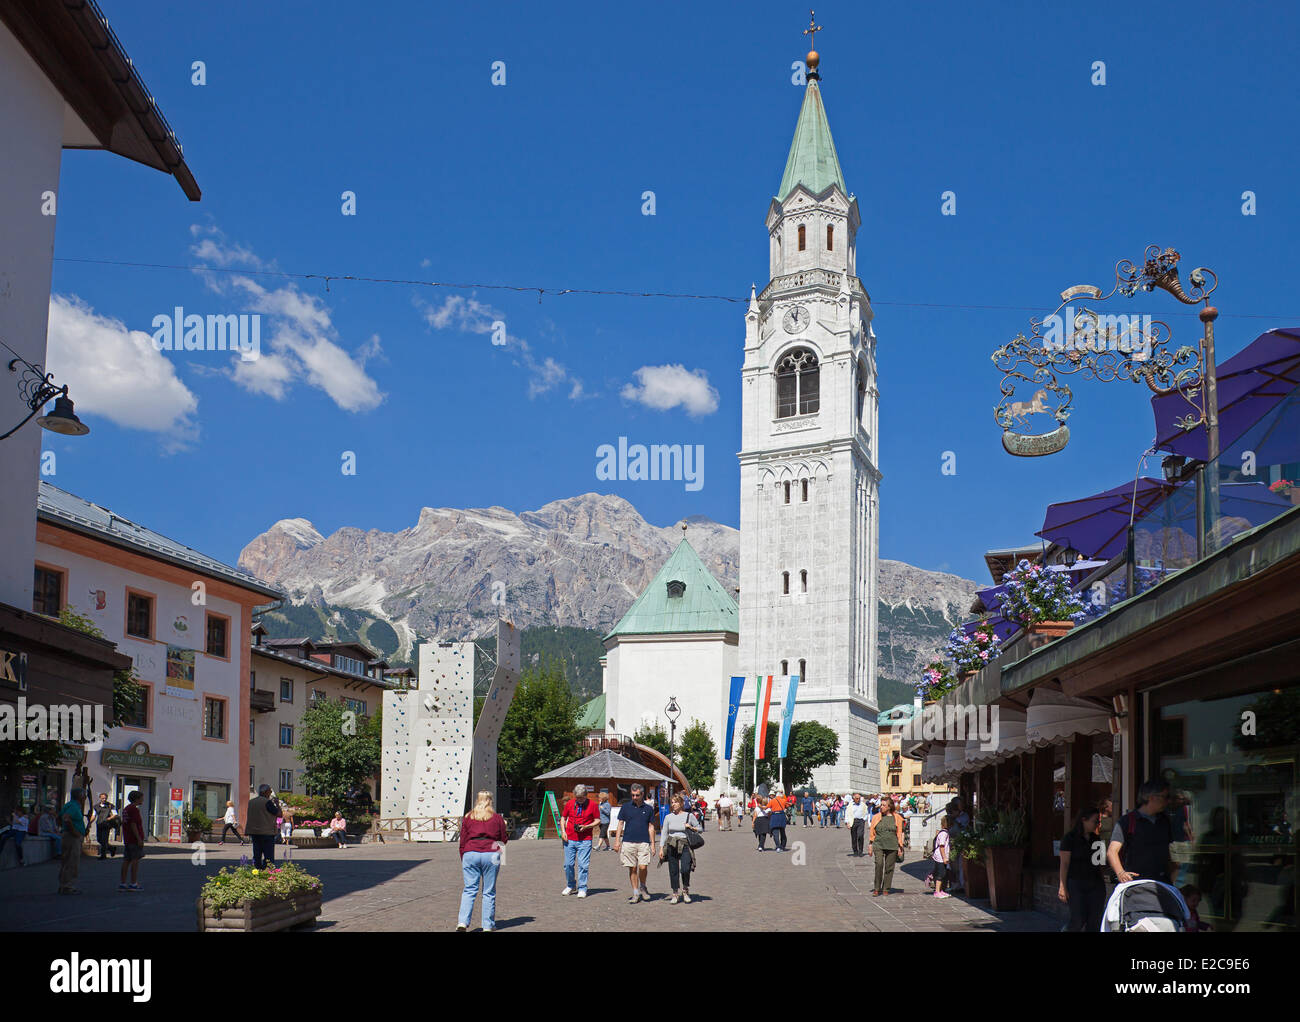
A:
238	885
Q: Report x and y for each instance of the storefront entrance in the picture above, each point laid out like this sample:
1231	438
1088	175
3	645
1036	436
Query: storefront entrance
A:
148	790
1232	767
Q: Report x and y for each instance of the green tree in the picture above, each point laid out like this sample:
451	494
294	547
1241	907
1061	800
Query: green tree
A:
697	756
653	736
811	745
339	750
742	763
540	731
127	692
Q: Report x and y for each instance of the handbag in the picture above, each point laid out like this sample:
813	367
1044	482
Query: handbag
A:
694	839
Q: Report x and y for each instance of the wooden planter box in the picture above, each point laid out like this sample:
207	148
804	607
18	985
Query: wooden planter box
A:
1040	633
313	842
977	878
261	916
1004	864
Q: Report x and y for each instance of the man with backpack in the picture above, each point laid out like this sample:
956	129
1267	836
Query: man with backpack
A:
1139	844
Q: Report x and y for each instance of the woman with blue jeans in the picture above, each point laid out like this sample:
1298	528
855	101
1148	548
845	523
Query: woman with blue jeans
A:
482	838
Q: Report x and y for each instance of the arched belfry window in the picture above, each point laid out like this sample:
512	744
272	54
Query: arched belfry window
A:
798	384
803	237
676	589
830	237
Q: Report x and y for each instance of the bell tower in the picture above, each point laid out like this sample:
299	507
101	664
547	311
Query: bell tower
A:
809	482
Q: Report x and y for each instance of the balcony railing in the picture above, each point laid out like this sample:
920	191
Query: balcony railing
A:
261	701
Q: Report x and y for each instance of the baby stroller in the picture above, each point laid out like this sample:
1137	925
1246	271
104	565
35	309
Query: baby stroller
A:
1145	906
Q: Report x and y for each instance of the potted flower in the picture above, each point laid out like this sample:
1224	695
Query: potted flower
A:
1004	857
969	653
969	846
249	900
936	679
195	823
1040	599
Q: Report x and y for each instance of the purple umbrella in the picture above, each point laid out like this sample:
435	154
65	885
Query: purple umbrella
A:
1097	526
1250	384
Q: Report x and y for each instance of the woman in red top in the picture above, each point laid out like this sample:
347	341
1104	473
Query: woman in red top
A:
482	838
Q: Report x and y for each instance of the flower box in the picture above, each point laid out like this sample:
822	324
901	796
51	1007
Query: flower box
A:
1004	864
975	875
265	916
1040	633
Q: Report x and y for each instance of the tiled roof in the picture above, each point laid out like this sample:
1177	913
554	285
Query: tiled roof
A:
812	161
64	509
320	667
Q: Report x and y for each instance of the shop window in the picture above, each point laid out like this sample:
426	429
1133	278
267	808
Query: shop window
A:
211	798
47	592
139	615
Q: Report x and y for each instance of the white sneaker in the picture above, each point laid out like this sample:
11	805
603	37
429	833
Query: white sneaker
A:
645	895
686	897
567	890
582	894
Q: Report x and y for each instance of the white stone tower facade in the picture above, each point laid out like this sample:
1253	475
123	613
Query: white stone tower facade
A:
809	482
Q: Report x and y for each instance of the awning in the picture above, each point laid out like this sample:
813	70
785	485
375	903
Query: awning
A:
954	757
1054	717
1008	739
933	767
1102	770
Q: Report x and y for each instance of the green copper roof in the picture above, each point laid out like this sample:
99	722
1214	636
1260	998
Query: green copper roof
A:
812	161
704	606
591	715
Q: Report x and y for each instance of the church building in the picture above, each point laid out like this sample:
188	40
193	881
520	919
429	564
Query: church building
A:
809	482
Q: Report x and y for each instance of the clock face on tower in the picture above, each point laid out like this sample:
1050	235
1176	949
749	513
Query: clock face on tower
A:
796	319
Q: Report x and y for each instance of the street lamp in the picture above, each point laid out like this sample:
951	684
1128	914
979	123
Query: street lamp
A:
672	711
36	388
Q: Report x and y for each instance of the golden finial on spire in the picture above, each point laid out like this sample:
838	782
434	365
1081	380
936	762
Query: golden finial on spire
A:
811	31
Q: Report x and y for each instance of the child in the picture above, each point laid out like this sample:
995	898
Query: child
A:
939	855
286	832
132	842
1192	895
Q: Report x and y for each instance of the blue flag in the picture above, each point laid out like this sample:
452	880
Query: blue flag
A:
733	707
791	688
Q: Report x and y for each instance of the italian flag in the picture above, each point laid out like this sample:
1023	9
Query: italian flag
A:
762	700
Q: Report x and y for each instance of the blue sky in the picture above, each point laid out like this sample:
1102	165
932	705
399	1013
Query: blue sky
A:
539	183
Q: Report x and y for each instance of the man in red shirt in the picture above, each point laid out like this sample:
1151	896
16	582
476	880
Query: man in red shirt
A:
132	841
578	819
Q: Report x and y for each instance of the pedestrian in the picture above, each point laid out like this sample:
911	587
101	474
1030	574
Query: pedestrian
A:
580	817
724	811
858	814
761	823
1139	843
839	812
105	818
777	820
72	821
939	856
634	839
959	820
702	811
1192	895
285	824
483	836
887	844
674	847
49	827
821	810
230	822
339	829
806	807
1082	884
16	831
132	841
604	820
260	825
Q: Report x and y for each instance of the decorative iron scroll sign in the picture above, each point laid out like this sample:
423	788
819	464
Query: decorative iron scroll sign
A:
1098	346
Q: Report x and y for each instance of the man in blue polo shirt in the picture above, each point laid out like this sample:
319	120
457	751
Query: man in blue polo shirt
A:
634	839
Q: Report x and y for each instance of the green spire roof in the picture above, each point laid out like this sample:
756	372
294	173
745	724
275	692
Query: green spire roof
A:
703	606
812	161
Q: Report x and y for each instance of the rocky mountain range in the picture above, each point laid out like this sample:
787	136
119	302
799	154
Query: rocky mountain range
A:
576	562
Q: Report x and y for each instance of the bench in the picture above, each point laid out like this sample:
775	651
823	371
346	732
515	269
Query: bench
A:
36	848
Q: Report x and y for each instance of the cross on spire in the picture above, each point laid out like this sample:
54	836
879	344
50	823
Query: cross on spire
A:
812	30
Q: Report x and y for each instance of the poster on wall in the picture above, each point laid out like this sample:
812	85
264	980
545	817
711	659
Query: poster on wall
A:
180	673
174	810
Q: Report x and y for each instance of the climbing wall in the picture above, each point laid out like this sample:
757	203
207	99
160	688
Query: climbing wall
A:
442	734
488	729
395	779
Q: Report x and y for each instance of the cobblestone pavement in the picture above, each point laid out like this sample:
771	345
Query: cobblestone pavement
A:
816	885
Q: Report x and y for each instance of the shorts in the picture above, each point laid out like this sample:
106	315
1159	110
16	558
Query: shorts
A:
635	853
604	831
940	870
132	852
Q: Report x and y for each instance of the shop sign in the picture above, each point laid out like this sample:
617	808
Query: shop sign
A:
174	833
137	756
13	670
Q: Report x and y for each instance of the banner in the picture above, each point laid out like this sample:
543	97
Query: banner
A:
180	673
762	703
733	707
792	686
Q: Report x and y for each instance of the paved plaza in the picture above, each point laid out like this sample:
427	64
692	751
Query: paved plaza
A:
816	885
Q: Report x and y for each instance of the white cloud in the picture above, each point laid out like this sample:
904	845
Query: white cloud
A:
668	386
118	373
470	316
299	340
